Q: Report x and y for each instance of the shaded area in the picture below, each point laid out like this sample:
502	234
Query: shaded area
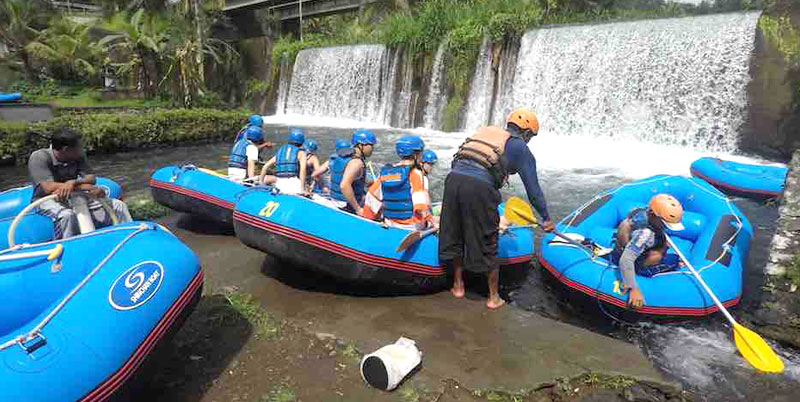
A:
185	367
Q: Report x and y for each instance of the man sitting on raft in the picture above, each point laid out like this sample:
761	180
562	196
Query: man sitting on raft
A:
399	193
641	245
290	165
62	169
253	121
349	174
313	184
244	155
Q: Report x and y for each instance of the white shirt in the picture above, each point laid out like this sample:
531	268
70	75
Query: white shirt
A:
252	152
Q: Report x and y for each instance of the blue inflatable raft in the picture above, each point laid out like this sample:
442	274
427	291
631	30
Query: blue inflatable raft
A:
348	247
716	241
742	179
196	191
80	315
10	96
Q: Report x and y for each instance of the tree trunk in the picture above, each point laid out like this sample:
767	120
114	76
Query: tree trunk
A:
200	45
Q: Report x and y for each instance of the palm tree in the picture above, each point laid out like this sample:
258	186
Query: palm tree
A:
144	37
20	21
67	48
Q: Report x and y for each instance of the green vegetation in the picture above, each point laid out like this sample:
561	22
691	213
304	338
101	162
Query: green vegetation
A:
265	325
162	48
283	393
780	32
793	270
145	209
111	132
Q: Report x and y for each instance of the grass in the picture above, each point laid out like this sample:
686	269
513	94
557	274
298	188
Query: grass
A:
793	270
145	209
408	394
283	393
265	324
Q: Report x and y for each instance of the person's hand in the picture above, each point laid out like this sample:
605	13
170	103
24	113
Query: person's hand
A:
359	210
97	192
635	299
65	190
548	226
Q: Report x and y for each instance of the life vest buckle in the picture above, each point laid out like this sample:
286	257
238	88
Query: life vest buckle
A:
33	343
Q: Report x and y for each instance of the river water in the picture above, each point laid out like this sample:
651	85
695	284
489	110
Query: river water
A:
699	354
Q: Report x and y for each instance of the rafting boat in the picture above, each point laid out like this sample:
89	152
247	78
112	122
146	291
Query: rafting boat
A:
80	315
10	96
196	191
742	179
350	248
716	240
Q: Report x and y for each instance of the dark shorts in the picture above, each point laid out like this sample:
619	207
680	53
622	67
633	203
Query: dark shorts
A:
468	225
670	262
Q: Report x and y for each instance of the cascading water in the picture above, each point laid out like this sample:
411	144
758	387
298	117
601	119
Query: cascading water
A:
672	81
504	83
404	104
388	87
437	97
480	93
283	85
339	82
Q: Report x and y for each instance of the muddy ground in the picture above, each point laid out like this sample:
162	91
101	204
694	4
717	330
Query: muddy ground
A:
264	331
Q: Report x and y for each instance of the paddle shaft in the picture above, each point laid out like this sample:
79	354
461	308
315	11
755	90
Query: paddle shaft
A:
702	282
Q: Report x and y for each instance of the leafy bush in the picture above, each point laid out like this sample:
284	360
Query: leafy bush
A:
111	132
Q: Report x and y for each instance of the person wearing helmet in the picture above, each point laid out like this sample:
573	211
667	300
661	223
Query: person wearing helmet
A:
290	165
244	155
641	245
343	150
254	120
399	192
313	184
348	173
481	166
429	159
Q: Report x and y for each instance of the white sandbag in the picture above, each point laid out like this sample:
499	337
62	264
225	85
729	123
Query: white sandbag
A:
387	366
81	207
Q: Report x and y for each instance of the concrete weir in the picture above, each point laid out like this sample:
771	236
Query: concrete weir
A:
461	340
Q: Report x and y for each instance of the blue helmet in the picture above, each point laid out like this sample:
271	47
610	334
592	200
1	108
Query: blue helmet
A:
364	137
297	137
310	146
407	145
343	148
429	156
255	120
255	134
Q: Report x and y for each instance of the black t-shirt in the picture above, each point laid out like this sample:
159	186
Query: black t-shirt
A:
43	167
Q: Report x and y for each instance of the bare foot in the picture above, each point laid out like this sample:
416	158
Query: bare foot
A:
495	304
457	291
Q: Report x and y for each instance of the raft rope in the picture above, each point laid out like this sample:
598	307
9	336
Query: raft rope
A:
19	340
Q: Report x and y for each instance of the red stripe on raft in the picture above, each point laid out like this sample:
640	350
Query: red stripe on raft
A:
730	187
336	248
111	384
192	193
668	311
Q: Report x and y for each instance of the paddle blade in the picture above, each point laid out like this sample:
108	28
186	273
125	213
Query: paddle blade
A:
519	212
756	351
410	239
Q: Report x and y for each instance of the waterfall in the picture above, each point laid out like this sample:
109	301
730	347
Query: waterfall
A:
481	90
404	103
437	97
680	81
339	82
388	87
283	85
504	84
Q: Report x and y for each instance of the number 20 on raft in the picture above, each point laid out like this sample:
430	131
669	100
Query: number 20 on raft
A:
269	209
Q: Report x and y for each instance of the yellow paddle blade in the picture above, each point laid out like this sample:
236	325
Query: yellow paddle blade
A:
756	351
212	172
519	212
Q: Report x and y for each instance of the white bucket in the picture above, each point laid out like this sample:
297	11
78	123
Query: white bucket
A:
387	366
81	207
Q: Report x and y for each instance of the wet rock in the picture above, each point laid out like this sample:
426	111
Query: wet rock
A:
764	316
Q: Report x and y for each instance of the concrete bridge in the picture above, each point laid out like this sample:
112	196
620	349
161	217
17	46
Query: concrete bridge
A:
292	9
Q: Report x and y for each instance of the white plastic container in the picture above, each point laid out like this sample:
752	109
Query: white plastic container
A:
387	366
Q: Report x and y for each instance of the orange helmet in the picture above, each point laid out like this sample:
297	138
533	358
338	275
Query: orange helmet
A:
525	120
669	209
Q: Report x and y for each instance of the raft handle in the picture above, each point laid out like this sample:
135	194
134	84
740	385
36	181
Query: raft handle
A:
39	339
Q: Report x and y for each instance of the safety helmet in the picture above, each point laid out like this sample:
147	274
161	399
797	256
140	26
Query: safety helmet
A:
525	120
310	146
296	137
255	120
255	134
343	148
669	209
429	156
363	137
407	145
